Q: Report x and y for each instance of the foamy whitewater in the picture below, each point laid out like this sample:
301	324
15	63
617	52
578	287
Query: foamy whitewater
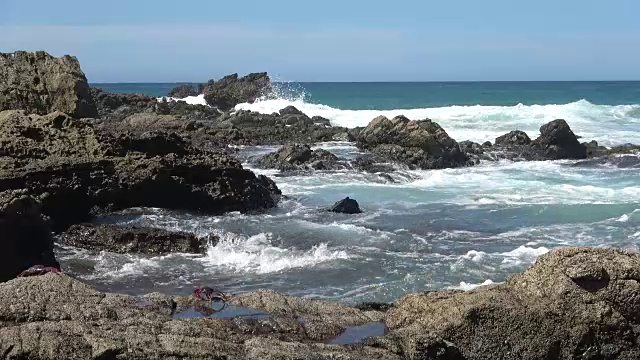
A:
425	230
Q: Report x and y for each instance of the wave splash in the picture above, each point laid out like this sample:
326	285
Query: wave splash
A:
607	124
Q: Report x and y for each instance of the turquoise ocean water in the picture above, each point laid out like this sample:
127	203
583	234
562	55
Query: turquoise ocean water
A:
454	228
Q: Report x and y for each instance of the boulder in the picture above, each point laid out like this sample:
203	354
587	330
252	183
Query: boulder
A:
419	144
129	239
557	141
226	93
516	137
573	303
182	91
346	206
26	235
299	157
290	110
40	83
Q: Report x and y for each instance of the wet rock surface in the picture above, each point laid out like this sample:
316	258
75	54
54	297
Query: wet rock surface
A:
128	239
300	157
40	83
182	91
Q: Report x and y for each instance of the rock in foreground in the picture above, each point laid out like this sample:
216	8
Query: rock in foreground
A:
128	239
26	235
40	83
55	317
574	303
419	144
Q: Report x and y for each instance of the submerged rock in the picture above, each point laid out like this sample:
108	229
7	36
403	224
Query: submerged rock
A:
26	235
231	90
419	144
573	303
346	206
128	239
40	83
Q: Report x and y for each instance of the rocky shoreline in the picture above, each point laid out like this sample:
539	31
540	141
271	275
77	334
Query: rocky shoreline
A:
71	152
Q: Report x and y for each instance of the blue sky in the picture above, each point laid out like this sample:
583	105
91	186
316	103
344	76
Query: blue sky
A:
348	40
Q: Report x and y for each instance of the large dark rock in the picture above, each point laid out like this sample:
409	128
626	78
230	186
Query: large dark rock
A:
182	91
231	90
346	206
72	190
128	239
557	141
26	235
419	144
57	317
40	83
300	157
574	303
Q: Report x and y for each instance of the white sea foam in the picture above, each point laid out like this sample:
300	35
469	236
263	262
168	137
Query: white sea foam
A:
523	255
257	254
605	123
467	286
193	100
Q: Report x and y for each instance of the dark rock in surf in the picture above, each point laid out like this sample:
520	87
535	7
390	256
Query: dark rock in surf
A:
619	161
39	83
319	120
419	144
300	157
128	239
290	110
26	235
346	206
557	141
516	137
231	90
182	91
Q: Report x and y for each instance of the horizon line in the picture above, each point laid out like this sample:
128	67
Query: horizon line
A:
373	82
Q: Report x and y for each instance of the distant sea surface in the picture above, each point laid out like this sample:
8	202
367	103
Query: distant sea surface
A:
425	230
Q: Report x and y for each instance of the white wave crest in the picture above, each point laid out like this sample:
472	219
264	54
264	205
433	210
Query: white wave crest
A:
256	254
607	124
193	100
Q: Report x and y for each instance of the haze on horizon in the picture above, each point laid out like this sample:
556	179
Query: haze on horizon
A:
417	40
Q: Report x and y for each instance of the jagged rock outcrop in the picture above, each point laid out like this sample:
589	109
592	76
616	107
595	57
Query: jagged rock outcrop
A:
556	142
419	144
26	235
224	94
130	239
40	83
182	91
